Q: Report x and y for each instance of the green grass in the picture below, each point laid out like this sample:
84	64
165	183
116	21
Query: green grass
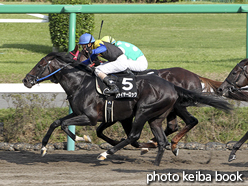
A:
207	44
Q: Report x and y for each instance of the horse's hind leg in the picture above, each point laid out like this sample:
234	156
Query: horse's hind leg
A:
157	130
127	126
172	125
236	147
190	121
100	134
133	136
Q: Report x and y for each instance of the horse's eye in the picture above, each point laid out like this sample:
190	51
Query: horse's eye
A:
39	66
234	73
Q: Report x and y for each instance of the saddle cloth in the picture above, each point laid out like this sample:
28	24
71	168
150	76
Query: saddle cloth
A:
126	83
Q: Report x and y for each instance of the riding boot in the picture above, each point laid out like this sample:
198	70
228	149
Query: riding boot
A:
111	84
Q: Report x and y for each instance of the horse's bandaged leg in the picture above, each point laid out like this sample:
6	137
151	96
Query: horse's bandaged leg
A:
85	138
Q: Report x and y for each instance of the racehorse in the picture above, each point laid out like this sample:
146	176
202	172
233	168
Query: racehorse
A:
179	77
156	98
234	88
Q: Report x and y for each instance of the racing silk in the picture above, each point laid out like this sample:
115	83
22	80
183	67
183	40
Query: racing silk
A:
105	50
130	50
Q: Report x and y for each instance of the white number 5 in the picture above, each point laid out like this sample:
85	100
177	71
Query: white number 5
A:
129	84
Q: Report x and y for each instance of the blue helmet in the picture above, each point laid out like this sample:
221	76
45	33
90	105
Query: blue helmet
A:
86	38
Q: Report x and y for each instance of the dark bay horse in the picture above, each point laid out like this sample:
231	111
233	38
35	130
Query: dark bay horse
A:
156	98
179	77
234	87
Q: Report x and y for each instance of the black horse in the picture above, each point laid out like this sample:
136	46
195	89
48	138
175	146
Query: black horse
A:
156	98
234	87
179	77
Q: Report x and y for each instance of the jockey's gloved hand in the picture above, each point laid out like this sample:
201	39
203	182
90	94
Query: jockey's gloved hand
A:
97	62
89	50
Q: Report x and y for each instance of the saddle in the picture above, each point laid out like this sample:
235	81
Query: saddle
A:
126	82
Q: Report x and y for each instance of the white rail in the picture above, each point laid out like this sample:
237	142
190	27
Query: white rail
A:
39	88
44	19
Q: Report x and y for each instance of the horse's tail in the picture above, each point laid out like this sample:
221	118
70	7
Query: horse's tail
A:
191	98
210	84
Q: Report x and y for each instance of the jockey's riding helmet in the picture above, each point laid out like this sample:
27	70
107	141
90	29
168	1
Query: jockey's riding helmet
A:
86	38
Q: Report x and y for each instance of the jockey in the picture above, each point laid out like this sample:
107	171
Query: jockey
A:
116	57
136	60
108	52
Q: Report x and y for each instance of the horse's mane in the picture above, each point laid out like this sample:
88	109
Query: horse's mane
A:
244	61
64	57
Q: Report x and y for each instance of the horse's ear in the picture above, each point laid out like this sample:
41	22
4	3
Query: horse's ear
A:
76	48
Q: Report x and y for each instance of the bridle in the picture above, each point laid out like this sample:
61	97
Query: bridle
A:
37	78
243	72
75	55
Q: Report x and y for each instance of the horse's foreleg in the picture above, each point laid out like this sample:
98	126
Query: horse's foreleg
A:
64	123
54	125
236	147
190	121
80	120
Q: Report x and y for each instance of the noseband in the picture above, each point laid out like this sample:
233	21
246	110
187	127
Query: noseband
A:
37	77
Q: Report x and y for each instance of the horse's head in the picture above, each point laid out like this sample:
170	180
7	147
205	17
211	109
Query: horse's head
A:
237	79
45	67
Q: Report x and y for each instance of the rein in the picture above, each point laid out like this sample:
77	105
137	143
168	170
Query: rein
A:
40	79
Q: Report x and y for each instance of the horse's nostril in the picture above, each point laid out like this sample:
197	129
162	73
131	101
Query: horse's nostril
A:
24	81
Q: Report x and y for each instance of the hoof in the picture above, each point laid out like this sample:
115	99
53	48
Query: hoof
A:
87	139
144	151
232	157
156	163
122	139
175	151
43	151
102	156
